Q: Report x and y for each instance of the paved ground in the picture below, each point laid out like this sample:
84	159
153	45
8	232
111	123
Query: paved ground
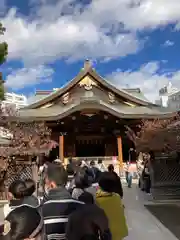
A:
142	225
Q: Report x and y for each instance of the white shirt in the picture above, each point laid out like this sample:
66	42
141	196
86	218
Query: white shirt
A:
101	167
6	210
41	168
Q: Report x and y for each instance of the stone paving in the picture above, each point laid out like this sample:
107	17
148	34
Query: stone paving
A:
142	224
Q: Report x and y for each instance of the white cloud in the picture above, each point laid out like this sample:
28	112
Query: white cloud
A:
147	78
134	15
28	77
168	43
42	42
65	29
103	29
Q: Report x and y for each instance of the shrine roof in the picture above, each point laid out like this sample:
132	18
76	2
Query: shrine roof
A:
134	95
57	112
136	92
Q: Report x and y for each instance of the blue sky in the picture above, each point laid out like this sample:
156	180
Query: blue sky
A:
132	43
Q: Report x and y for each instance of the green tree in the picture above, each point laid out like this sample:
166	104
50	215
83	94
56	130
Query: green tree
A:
3	46
3	56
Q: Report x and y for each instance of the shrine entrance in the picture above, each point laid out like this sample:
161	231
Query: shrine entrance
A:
90	147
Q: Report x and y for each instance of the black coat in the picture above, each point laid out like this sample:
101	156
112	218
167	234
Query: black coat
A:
88	223
117	187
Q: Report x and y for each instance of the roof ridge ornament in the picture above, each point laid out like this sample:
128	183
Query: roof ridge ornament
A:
87	64
87	83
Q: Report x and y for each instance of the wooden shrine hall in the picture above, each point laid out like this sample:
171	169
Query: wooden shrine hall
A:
88	115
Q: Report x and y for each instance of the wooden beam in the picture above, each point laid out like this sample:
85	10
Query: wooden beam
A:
120	153
61	148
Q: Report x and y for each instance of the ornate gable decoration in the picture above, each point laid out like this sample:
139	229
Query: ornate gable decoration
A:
65	98
87	83
112	97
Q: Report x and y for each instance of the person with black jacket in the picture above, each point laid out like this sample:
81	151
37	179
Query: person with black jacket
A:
95	172
70	167
21	193
89	222
58	203
117	186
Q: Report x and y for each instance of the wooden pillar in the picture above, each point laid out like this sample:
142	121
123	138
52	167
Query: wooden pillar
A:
61	148
120	153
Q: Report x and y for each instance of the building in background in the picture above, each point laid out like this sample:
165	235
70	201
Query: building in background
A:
169	96
18	100
89	116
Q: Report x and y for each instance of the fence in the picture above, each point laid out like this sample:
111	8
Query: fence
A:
165	178
16	171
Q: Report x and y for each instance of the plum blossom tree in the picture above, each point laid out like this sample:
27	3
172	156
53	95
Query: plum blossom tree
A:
25	138
159	135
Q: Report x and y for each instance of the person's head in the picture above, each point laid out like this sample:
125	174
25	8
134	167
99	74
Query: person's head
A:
23	223
81	179
85	168
30	187
57	161
107	181
79	163
17	189
92	163
56	176
86	197
111	168
100	161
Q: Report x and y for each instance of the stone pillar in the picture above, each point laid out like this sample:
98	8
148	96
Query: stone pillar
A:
120	153
61	148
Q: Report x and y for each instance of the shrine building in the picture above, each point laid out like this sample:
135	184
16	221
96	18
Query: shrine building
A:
88	116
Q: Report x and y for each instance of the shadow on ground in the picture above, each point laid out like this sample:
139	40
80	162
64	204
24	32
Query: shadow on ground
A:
168	215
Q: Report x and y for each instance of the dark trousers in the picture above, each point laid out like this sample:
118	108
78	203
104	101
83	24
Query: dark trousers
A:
147	184
129	179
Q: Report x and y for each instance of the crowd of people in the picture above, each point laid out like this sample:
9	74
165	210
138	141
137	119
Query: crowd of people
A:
80	202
